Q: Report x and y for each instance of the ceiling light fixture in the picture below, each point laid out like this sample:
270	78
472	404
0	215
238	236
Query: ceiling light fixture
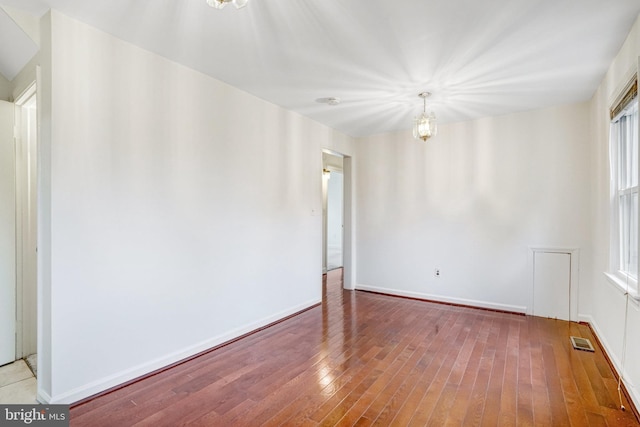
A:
220	4
425	125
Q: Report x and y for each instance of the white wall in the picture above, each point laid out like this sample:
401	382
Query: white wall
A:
6	89
45	149
471	202
27	76
608	302
179	207
7	235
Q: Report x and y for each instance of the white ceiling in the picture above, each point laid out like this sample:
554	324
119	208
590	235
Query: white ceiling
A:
478	57
16	54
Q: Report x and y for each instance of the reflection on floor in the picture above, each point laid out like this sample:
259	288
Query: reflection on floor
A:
332	282
17	384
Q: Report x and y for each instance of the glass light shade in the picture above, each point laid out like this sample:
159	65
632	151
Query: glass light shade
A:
425	126
240	3
218	4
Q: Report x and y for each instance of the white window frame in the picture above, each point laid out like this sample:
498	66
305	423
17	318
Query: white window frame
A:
618	274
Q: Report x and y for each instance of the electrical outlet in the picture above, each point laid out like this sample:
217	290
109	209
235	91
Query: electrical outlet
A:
437	272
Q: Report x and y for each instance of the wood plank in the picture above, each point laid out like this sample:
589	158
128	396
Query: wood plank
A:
508	398
492	404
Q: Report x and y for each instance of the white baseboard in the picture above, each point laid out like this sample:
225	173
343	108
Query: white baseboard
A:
450	300
633	392
586	318
138	371
43	397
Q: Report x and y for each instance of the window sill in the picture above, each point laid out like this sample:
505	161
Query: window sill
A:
621	285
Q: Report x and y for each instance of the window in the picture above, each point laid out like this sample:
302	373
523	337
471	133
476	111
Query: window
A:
624	177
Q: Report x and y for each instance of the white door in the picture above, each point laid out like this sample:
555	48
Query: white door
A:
552	285
7	235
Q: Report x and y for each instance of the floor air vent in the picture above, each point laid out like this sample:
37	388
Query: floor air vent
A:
581	344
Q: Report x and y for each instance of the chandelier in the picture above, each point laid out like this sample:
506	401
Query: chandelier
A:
220	4
425	125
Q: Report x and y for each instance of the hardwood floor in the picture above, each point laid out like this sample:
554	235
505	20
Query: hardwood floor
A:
367	359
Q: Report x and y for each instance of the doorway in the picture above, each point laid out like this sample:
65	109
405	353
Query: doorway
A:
18	229
337	232
334	218
26	226
333	211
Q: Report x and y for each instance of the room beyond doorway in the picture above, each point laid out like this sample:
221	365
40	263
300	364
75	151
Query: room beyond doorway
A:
333	211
